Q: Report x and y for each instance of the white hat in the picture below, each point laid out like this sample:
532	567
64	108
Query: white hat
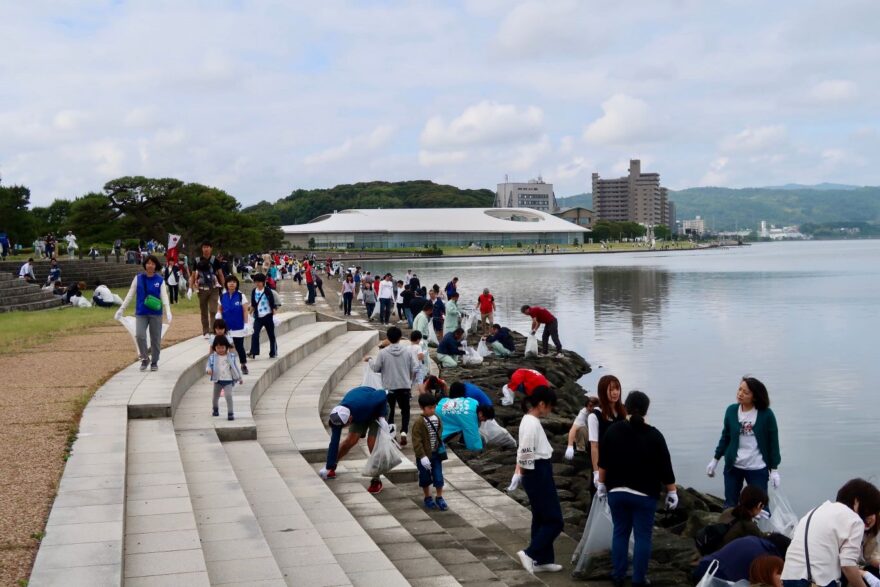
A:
339	416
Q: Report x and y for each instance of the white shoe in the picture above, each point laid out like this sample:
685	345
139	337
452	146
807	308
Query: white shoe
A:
527	562
559	356
548	568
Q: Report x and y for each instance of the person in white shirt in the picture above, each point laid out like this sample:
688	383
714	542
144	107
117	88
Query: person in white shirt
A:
831	536
598	420
27	271
386	298
535	471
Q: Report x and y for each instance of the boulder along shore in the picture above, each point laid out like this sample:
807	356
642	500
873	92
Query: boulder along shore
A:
673	554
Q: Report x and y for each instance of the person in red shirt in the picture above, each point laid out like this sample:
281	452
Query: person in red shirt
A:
540	316
486	303
524	381
310	282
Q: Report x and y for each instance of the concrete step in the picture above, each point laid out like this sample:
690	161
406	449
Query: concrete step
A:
193	411
236	550
16	287
31	306
28	296
162	545
296	544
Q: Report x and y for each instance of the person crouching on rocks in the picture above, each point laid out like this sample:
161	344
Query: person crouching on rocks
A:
449	350
535	471
362	410
522	380
611	410
578	450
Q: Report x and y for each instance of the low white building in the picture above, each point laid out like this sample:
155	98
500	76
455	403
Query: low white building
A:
428	227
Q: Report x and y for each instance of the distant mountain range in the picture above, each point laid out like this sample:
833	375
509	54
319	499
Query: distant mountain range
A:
729	209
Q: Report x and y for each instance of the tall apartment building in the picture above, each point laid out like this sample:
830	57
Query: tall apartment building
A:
535	194
638	197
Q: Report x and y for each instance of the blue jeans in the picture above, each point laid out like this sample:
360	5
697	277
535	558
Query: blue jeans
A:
435	475
346	303
631	514
546	511
385	310
733	483
409	316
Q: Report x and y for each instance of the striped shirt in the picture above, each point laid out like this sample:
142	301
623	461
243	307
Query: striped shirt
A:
432	432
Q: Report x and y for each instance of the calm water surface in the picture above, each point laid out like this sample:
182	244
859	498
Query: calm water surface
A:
685	326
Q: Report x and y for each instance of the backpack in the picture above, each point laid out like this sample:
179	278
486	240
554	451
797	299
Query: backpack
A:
711	538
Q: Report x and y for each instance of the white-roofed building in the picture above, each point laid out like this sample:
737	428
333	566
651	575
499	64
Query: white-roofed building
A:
395	228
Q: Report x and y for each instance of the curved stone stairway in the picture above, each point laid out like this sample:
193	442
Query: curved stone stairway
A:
158	492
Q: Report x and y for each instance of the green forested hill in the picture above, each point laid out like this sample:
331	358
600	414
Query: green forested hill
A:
304	205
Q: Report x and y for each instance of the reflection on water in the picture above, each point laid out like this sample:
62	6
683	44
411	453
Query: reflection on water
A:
684	327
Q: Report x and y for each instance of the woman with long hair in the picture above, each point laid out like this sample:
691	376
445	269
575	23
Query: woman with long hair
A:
749	442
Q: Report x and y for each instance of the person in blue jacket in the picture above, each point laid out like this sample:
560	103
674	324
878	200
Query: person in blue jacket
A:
466	389
459	415
749	442
501	342
737	556
448	350
362	410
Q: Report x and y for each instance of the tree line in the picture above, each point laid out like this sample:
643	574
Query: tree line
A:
135	208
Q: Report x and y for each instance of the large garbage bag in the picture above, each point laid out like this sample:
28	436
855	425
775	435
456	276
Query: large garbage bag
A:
531	346
371	378
130	324
385	456
495	435
710	580
782	517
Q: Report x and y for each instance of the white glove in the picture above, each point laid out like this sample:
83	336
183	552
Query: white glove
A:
671	500
189	293
383	424
710	469
596	478
774	479
569	453
601	491
426	462
218	316
323	473
514	482
762	515
169	319
118	314
870	580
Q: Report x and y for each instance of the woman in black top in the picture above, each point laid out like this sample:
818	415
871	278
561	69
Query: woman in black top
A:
634	465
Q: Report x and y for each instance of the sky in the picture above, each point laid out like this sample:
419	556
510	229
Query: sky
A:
261	98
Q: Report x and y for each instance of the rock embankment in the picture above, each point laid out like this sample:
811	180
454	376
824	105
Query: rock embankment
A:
673	554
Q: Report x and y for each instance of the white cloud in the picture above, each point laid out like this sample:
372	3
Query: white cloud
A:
562	28
626	120
717	174
835	90
358	145
755	139
485	123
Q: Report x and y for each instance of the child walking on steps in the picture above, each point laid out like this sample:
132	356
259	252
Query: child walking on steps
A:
224	372
430	452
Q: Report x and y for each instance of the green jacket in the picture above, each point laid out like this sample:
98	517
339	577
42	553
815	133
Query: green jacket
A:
453	315
421	323
421	438
766	433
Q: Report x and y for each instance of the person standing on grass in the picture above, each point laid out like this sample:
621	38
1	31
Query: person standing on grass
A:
486	305
634	465
398	367
224	373
347	292
540	316
151	296
363	411
534	470
386	298
234	308
427	446
172	279
207	279
263	308
749	442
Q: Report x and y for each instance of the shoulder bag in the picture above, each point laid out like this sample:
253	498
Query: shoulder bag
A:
441	446
151	302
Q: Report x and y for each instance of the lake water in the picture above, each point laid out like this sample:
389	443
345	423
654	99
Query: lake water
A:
684	327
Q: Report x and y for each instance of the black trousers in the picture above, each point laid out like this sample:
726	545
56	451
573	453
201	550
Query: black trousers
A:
400	397
269	324
238	341
551	329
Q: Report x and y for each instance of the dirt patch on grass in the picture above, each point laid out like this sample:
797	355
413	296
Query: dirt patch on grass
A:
45	385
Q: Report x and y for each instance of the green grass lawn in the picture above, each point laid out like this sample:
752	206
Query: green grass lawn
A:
21	330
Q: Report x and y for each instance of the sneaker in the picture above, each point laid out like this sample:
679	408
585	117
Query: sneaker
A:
244	370
441	504
375	487
331	474
206	336
230	416
548	568
403	439
215	412
526	561
154	367
559	355
429	503
144	365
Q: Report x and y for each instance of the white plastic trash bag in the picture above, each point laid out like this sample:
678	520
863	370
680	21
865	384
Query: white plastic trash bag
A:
597	536
276	320
117	300
80	302
341	300
531	346
130	324
371	378
782	517
709	579
360	296
471	357
385	456
375	314
466	320
506	396
496	436
432	338
483	349
248	330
